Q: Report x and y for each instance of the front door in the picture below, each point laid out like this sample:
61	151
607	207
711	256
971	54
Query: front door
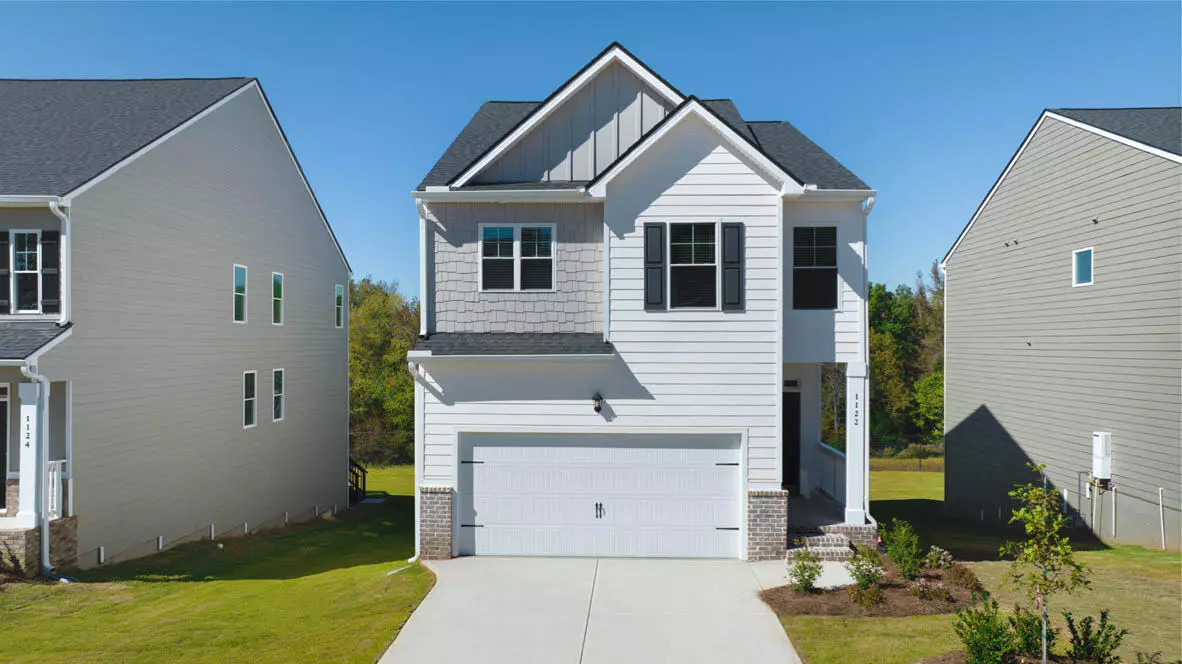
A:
791	407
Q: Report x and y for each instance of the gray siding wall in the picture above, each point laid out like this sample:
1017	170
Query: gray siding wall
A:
1034	366
576	305
156	361
586	134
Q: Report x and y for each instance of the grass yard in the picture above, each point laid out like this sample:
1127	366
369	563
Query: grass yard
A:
934	465
314	592
391	481
1143	588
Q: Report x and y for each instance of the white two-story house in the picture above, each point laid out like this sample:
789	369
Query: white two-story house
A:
628	294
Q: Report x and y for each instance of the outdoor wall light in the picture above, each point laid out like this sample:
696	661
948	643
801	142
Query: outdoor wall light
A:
597	400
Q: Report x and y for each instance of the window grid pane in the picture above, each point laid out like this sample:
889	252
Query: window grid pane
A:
249	394
277	400
691	244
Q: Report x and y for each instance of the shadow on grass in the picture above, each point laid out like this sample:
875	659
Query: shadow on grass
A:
367	534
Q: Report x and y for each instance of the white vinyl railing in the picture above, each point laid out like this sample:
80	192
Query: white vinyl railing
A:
831	471
57	471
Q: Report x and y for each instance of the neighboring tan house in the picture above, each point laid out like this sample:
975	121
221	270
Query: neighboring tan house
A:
1063	332
173	333
628	294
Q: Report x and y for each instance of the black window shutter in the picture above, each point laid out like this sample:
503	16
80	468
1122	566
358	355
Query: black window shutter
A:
5	275
732	267
654	267
51	280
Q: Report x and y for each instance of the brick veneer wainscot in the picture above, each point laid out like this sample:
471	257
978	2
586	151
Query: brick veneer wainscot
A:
767	524
435	522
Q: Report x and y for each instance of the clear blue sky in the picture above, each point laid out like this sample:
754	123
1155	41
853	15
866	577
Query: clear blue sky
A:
926	102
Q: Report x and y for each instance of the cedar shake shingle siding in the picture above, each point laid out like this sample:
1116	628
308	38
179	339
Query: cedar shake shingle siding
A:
1035	365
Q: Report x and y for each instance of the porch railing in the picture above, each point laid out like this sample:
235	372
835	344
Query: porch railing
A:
357	476
831	471
57	472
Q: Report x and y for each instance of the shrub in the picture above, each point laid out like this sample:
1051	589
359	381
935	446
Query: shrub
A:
984	634
1027	628
962	575
938	558
866	567
902	547
1094	642
929	590
921	451
804	568
866	598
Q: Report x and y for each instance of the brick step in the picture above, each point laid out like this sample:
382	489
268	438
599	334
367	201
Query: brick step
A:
815	540
833	554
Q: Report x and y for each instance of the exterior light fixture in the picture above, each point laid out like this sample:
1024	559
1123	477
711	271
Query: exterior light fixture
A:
597	400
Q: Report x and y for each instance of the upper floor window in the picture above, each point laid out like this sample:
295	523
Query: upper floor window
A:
239	293
30	282
339	305
814	267
277	402
517	258
249	398
277	298
693	266
1081	267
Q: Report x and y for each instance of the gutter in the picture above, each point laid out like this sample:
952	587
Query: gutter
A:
63	212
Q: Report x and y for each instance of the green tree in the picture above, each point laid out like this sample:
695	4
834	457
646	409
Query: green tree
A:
928	413
1043	563
890	393
929	310
383	325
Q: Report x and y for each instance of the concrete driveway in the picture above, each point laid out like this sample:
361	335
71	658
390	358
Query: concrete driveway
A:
595	611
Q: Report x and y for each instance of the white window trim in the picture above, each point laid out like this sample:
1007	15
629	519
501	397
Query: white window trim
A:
13	305
836	266
518	258
255	399
669	265
245	293
280	299
338	306
282	395
1092	270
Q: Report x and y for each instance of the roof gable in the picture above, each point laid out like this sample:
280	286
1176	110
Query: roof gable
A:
1159	128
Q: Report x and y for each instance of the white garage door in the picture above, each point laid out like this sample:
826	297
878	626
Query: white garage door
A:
599	495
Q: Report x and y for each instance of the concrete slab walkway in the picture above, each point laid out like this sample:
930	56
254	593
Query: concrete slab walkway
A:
595	611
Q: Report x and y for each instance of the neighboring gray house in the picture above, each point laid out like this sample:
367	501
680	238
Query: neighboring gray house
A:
173	333
628	294
1064	325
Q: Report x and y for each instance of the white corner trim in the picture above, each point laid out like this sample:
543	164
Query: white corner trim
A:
1116	137
560	96
789	186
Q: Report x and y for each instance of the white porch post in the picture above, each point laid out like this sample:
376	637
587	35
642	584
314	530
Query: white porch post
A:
29	440
857	384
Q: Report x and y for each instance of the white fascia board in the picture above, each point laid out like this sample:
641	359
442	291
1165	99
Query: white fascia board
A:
503	196
28	201
822	195
1116	137
788	185
428	358
572	87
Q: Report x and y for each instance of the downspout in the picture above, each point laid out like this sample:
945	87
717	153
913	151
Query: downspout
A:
63	212
413	367
40	508
866	355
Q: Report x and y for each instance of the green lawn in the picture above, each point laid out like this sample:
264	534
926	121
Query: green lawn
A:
391	481
1143	588
311	592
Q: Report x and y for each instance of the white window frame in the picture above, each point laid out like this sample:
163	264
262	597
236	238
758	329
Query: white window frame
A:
279	300
836	265
517	257
254	400
281	395
245	293
14	305
338	306
669	265
1092	270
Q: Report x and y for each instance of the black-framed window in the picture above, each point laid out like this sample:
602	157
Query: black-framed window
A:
496	258
517	258
537	258
693	265
814	267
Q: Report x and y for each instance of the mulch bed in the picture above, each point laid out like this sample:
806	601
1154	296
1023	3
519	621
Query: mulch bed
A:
958	657
897	602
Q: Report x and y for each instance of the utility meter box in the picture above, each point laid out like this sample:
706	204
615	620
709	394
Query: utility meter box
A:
1102	455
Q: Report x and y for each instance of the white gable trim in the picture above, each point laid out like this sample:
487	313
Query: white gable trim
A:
1022	148
788	185
613	54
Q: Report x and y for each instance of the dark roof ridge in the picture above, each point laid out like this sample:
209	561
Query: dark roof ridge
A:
511	101
126	80
1114	108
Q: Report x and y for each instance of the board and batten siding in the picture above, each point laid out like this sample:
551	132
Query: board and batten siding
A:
574	305
1034	366
585	134
156	361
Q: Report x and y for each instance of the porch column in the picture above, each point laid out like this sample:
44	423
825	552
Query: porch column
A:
857	383
29	440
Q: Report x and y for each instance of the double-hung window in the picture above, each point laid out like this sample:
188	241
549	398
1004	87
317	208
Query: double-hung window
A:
26	271
814	267
277	402
239	293
277	298
249	398
693	266
338	299
516	257
1081	267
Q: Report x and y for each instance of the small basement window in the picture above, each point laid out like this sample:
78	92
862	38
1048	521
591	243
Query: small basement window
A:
1081	267
814	267
693	266
249	397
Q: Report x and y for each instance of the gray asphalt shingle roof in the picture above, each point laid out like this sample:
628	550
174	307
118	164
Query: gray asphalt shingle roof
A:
56	135
559	343
1157	127
20	339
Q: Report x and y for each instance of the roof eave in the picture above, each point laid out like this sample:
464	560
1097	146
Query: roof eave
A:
502	196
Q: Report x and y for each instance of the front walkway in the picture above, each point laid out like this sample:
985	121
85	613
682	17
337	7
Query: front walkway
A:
595	611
